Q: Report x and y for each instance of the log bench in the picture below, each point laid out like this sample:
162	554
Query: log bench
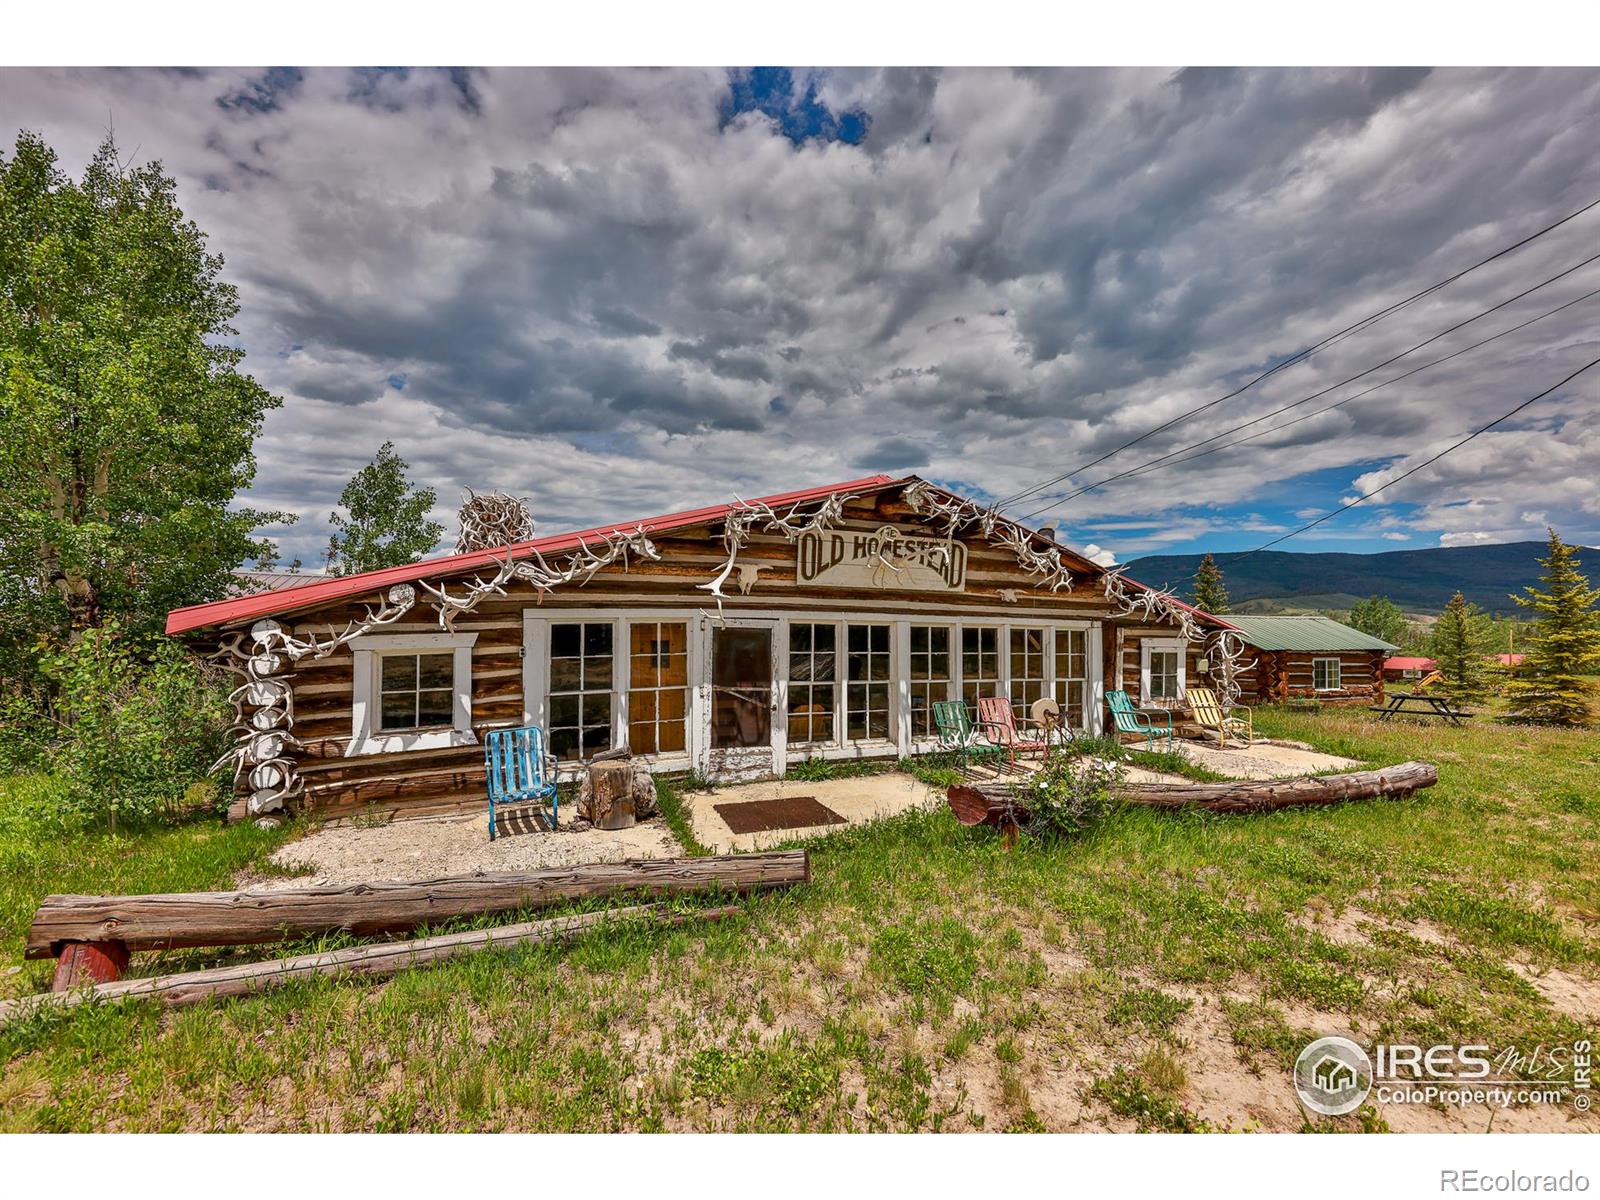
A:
1000	804
92	936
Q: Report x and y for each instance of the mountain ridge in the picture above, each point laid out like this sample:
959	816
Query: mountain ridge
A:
1416	580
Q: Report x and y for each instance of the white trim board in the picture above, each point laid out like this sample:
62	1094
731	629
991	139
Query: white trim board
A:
368	652
1180	646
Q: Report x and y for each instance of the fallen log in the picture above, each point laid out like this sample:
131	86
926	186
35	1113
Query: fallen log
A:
162	922
388	958
988	803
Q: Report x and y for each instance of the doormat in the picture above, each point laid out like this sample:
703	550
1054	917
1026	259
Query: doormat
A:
787	812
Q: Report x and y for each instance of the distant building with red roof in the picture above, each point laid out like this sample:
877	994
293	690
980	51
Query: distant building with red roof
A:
1403	666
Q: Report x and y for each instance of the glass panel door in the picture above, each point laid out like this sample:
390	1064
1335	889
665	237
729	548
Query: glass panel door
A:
741	687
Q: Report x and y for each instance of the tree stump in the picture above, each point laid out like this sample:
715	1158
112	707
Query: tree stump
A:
617	792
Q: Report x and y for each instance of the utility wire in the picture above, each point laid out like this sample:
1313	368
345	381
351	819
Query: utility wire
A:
1156	464
1348	330
1142	468
1426	463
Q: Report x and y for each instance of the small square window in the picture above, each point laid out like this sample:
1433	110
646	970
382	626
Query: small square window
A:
416	691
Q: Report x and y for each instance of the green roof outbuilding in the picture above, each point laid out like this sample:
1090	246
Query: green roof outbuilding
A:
1303	633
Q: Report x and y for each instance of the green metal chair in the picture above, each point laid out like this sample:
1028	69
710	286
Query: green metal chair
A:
957	734
1139	721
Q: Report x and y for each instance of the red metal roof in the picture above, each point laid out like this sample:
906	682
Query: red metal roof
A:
341	587
1401	663
1512	660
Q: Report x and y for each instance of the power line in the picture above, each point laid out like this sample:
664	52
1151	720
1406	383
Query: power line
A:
1426	463
1155	464
1144	467
1348	330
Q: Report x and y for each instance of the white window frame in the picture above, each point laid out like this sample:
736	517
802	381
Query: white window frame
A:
368	651
1338	674
1149	646
536	647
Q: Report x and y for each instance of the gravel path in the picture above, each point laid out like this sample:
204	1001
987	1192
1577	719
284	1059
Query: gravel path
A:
1264	760
429	848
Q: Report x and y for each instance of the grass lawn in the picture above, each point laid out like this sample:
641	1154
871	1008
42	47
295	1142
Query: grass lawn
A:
1160	973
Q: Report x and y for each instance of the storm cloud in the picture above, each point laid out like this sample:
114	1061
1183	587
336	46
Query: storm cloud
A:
623	292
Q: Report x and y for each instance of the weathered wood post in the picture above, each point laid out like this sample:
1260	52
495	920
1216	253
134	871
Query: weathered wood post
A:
89	963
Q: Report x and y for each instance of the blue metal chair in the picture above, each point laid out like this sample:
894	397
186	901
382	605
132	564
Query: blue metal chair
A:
520	770
1138	720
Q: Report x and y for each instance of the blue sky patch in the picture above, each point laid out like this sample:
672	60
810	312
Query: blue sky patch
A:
771	91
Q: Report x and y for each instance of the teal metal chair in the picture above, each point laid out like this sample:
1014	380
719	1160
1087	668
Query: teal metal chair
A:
1139	721
520	771
957	733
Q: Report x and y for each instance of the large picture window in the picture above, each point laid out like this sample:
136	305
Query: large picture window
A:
658	686
868	681
580	688
1072	675
980	664
1027	669
813	653
930	675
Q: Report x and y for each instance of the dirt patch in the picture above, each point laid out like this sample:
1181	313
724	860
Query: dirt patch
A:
1343	927
430	848
786	812
1224	1086
1569	994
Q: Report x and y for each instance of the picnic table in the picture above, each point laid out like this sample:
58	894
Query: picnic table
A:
1419	704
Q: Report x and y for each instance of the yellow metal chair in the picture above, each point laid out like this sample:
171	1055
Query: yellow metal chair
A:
1209	714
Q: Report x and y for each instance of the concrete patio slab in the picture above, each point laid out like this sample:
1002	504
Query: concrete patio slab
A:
858	800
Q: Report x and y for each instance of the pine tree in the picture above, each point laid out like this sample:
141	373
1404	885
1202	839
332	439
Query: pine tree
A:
1209	592
1459	647
1563	646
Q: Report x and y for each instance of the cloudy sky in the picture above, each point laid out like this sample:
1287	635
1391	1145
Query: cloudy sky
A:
624	292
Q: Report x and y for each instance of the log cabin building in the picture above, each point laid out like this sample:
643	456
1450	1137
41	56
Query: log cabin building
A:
735	640
1309	658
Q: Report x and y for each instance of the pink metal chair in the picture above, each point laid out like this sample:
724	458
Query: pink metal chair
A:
998	725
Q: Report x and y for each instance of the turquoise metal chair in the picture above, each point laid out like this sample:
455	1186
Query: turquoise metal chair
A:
520	771
957	734
1139	721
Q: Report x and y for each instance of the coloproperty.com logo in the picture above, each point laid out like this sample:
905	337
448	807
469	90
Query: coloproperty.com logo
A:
1335	1076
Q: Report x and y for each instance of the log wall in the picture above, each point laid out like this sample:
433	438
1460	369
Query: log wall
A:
451	780
1280	675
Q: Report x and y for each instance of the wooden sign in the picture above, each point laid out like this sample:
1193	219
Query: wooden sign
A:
887	558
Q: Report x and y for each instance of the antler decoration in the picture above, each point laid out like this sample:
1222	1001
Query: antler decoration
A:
615	546
264	702
1149	604
957	513
1228	649
745	517
492	520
